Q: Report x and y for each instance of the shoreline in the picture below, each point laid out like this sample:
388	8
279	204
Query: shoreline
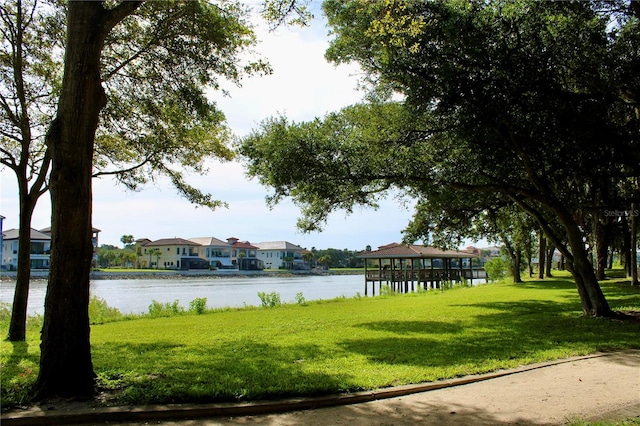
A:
169	274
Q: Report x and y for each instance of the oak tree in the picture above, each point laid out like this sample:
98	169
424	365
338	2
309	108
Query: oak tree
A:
533	102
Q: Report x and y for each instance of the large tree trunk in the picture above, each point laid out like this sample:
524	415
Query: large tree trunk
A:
18	324
577	259
591	296
66	368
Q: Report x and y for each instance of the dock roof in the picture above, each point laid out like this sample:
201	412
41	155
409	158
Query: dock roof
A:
412	251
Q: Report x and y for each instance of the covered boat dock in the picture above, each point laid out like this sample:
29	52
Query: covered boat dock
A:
405	267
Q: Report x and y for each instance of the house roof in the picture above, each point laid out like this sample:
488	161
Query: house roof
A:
409	251
171	242
278	245
12	234
209	241
47	230
243	245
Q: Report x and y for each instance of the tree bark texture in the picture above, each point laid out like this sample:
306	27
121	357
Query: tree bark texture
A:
66	368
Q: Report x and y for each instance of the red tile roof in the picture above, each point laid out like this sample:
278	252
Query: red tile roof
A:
408	251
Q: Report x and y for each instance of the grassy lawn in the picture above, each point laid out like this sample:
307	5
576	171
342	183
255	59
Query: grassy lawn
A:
337	346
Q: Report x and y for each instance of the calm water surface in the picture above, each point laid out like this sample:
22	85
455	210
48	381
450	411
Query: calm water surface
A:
135	295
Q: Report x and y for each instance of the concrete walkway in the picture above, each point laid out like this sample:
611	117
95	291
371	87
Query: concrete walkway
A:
598	387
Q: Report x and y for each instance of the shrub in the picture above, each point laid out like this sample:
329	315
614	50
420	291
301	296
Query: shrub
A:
496	269
5	311
300	300
198	305
100	312
269	300
157	309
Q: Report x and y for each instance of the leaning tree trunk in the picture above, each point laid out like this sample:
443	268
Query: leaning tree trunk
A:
593	301
66	368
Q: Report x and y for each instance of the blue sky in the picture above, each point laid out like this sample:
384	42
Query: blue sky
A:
302	87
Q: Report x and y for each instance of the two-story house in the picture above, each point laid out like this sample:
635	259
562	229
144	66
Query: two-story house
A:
40	249
281	254
244	255
215	251
171	253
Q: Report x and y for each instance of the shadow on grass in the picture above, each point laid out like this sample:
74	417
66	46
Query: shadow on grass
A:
414	327
519	330
18	372
246	370
549	283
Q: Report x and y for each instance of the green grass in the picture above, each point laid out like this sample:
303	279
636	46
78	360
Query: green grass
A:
337	346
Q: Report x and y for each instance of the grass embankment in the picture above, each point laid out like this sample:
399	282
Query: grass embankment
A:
338	346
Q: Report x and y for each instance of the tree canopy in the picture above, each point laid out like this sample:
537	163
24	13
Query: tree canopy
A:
525	103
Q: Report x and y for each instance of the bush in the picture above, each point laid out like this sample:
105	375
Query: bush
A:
269	300
100	312
157	309
5	311
300	300
496	269
198	305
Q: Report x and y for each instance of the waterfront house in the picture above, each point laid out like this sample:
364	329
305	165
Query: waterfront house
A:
215	251
40	249
171	253
281	254
243	255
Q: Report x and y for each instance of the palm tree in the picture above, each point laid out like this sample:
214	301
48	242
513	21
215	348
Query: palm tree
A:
157	254
154	252
127	240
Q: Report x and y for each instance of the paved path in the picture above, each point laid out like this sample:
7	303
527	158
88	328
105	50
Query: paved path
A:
604	386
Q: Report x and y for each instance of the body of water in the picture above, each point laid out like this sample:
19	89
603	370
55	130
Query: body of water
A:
135	295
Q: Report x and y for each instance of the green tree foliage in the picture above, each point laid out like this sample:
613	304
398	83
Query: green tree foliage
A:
155	67
29	86
202	43
496	269
526	103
